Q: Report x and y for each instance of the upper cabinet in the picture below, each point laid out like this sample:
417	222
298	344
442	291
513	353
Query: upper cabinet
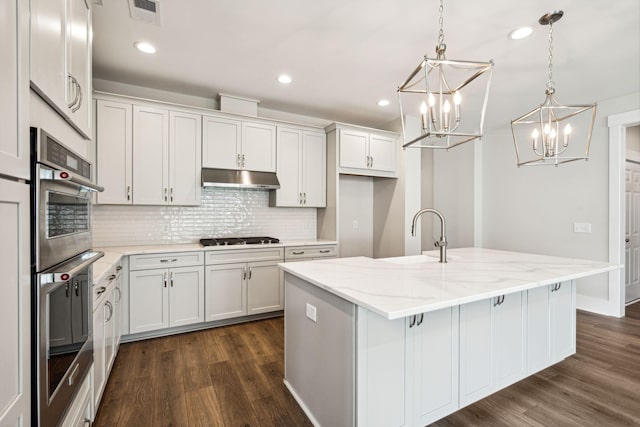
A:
14	86
61	58
147	155
363	151
238	144
302	159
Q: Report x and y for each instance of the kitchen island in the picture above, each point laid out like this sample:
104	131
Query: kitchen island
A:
405	341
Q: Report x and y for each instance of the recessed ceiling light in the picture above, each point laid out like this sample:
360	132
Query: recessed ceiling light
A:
145	47
383	102
520	33
284	79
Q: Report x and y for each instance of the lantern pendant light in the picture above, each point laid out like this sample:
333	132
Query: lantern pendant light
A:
553	133
449	96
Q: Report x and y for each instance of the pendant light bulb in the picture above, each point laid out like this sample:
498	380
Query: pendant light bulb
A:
432	100
567	129
423	108
457	98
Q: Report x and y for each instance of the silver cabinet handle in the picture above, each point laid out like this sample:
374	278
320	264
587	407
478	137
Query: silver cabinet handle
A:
325	251
118	267
66	290
128	192
299	198
304	199
77	107
499	301
244	273
412	322
556	287
371	161
421	319
164	279
111	277
76	287
249	273
298	252
76	92
243	160
238	160
169	260
119	295
171	195
165	194
171	278
110	307
100	290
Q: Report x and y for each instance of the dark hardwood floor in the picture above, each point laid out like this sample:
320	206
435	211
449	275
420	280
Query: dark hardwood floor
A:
232	376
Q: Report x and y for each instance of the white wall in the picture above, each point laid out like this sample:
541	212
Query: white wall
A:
356	204
533	209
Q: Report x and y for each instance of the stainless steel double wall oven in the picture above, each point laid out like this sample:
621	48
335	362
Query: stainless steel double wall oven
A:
62	259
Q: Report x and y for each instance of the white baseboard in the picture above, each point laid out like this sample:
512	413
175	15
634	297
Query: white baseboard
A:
596	305
302	404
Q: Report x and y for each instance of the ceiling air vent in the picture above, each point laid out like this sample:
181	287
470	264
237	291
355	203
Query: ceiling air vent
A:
147	11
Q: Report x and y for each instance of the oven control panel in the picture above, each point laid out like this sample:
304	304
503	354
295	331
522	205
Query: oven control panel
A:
63	157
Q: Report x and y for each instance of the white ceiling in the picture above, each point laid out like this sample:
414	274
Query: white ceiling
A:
345	55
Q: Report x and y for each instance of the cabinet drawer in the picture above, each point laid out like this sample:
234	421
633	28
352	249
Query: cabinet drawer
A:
302	252
166	260
244	255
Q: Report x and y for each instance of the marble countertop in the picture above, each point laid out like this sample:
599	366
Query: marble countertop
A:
112	254
404	286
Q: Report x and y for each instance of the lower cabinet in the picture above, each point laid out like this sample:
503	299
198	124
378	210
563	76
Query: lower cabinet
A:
243	282
492	345
551	325
80	414
407	369
165	297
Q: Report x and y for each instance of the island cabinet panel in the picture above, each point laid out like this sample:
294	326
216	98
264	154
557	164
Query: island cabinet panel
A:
319	354
550	325
492	345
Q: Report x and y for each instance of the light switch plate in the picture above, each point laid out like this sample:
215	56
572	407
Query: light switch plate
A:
582	227
311	312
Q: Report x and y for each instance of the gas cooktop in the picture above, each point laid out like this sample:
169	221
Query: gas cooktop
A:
227	241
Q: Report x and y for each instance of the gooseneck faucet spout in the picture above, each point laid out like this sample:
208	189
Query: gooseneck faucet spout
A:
442	243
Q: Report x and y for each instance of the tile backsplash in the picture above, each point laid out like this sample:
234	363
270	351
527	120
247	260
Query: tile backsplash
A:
223	212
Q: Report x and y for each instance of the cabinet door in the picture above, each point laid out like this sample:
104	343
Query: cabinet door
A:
150	156
354	149
538	329
258	147
220	143
185	144
508	325
117	312
15	323
289	156
226	291
78	57
475	351
314	169
186	295
264	287
109	332
114	141
47	50
14	86
382	152
434	356
148	300
563	321
99	358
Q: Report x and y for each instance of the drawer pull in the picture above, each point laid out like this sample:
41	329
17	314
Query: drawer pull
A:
111	277
118	268
298	252
169	260
326	251
100	290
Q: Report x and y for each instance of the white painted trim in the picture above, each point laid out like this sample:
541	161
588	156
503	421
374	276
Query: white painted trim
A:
593	305
304	407
478	148
617	124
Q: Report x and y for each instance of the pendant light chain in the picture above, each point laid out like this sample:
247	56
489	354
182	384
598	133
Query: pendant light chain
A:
550	83
441	34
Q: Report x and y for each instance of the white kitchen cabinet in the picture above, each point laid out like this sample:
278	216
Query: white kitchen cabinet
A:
310	253
238	145
407	369
301	169
242	282
366	153
550	325
147	155
99	350
14	86
15	323
492	345
165	297
114	152
61	58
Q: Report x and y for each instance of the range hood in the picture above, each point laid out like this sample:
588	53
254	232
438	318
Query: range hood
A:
239	179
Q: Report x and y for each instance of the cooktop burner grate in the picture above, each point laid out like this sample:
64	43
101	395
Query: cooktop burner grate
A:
228	241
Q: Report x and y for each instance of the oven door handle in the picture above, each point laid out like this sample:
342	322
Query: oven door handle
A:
68	177
59	277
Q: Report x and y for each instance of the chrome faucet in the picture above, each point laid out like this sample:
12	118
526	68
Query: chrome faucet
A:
442	243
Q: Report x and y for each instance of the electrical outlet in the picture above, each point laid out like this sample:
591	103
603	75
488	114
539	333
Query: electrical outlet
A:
355	224
311	312
582	227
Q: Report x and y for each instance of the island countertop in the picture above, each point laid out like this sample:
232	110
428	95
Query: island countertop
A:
405	286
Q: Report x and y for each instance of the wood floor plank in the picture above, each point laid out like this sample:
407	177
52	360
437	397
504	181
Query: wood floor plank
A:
238	410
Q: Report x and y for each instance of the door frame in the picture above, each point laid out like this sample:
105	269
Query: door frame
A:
617	124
